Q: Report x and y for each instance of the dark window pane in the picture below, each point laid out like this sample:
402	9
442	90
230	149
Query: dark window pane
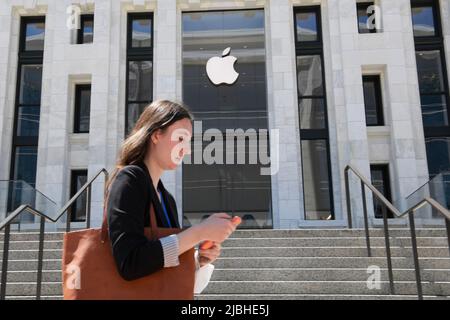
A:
434	110
140	80
306	26
82	108
372	101
423	21
141	35
309	75
30	84
28	121
429	68
88	31
25	160
438	154
134	111
381	181
79	178
366	18
239	189
34	36
316	180
312	114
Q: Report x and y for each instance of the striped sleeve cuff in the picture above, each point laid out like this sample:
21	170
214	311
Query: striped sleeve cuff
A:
171	250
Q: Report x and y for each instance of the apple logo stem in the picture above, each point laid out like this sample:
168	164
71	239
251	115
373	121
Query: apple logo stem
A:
220	70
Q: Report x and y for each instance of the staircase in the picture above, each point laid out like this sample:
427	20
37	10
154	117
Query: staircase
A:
277	264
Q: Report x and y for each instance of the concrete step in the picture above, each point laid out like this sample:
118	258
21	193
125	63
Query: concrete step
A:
330	252
324	274
281	274
323	287
312	297
321	233
276	262
278	233
276	252
276	242
269	287
328	262
333	242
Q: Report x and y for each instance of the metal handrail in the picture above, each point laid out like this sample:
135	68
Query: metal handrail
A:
386	204
6	223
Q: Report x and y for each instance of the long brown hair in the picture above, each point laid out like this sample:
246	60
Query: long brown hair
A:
159	114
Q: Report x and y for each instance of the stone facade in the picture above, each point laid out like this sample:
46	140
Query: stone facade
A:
347	56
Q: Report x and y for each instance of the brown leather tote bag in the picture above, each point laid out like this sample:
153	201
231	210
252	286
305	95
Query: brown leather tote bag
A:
90	272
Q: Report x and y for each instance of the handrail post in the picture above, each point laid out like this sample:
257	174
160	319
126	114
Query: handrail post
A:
68	218
415	254
347	196
40	259
6	236
88	207
366	222
388	249
447	225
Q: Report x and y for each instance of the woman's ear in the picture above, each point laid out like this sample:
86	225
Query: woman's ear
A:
155	136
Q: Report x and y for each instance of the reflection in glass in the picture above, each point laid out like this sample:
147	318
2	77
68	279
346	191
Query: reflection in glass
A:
306	26
316	183
134	112
34	36
88	31
78	209
366	12
83	108
423	21
30	84
372	101
140	82
141	36
312	114
434	110
28	121
25	164
309	75
381	181
429	67
238	189
438	154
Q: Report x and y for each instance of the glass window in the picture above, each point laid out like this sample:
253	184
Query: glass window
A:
140	80
133	113
141	32
25	160
372	101
306	26
28	121
381	181
30	84
34	36
366	17
238	189
438	154
423	20
316	180
309	75
429	67
82	108
434	110
78	209
312	114
86	31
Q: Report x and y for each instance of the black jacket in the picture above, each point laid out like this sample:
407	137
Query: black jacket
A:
128	213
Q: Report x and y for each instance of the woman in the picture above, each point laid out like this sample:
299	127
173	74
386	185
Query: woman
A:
158	142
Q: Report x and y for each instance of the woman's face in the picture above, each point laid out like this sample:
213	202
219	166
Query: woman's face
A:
170	146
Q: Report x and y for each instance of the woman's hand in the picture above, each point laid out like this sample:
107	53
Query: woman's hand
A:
209	255
217	228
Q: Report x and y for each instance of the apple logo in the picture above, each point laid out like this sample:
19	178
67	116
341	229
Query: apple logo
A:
221	69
